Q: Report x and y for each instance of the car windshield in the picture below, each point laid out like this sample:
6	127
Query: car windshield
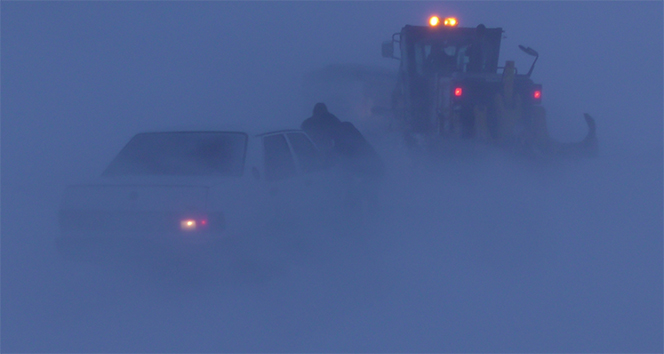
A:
181	153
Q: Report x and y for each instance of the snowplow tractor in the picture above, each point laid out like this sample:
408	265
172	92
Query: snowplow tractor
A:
450	86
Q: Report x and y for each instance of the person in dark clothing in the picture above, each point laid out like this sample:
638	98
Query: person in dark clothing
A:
344	141
345	145
322	127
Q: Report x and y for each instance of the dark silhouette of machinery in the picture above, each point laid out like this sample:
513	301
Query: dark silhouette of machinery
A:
450	86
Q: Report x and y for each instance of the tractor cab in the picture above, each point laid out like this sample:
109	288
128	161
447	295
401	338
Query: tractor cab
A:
450	83
445	50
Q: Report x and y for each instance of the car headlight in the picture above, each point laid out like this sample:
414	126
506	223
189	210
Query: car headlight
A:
188	225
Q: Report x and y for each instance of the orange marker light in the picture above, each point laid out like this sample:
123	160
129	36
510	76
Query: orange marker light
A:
434	21
458	91
450	21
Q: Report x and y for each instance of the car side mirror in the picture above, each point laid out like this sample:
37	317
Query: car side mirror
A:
388	49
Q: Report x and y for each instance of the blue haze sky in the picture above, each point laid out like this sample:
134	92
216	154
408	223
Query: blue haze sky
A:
81	78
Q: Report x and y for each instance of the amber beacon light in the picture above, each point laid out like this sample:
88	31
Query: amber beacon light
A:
450	22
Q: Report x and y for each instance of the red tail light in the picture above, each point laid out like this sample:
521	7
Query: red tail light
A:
537	94
458	92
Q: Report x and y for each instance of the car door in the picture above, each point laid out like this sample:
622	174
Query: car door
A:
285	182
323	184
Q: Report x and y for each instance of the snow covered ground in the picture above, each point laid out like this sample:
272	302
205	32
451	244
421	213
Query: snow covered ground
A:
491	255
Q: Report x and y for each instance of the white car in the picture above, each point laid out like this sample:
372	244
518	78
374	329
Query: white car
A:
190	190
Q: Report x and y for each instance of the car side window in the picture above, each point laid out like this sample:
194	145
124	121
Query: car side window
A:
308	155
279	162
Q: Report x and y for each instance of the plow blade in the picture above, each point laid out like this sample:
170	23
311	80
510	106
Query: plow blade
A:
526	130
549	146
586	147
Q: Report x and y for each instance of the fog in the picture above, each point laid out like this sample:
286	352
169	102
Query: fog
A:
472	255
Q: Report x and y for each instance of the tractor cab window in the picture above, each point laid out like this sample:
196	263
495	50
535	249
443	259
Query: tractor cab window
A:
432	57
441	58
465	50
474	57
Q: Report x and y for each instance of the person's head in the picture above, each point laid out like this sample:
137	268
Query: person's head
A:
320	108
